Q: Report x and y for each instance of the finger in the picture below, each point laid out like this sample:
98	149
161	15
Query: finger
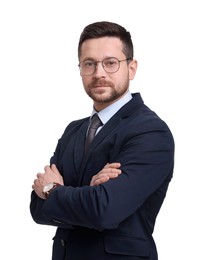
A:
54	168
47	168
103	177
39	175
33	186
35	181
106	165
113	165
109	170
111	173
99	181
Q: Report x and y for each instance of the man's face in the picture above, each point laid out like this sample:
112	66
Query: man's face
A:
103	87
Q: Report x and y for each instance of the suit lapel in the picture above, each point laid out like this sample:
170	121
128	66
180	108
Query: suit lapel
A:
104	132
79	145
126	111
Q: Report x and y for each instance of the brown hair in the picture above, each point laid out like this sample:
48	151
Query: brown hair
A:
102	29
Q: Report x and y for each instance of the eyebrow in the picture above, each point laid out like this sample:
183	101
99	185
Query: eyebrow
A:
92	59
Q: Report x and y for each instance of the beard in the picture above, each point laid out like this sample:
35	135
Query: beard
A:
102	91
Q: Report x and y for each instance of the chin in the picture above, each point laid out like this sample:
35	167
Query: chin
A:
103	98
103	95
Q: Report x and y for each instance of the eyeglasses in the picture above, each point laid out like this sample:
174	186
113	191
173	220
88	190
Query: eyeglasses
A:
110	65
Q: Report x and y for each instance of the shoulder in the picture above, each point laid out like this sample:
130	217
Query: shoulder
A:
75	125
138	118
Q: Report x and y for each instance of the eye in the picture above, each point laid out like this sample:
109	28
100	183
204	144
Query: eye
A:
88	63
111	62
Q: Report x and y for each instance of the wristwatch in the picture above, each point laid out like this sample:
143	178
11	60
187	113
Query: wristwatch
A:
49	187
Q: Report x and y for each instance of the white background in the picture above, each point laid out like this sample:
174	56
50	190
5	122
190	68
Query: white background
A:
41	92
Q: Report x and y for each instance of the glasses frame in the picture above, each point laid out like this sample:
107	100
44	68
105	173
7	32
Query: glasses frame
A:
101	61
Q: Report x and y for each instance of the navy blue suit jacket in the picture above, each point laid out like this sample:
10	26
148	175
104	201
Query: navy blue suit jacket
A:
114	220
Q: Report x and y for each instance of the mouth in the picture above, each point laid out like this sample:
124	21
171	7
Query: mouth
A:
100	86
99	89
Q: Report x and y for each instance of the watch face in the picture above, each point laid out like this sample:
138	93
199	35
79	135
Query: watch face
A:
48	187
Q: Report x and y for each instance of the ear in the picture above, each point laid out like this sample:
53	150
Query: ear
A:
132	69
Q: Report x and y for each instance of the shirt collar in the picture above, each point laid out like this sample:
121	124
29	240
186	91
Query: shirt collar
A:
109	111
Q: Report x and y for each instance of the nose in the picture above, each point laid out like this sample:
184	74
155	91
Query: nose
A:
99	70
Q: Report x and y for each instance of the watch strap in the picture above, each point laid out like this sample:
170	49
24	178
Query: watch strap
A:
55	185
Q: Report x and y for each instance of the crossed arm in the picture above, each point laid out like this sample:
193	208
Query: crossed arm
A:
51	174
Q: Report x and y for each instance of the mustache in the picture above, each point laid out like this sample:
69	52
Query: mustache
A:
100	83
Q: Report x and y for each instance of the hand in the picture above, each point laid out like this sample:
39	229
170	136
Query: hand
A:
110	171
51	174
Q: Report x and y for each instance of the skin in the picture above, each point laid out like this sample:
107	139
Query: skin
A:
51	174
104	89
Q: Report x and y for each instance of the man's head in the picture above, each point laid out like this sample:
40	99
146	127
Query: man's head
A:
102	29
106	62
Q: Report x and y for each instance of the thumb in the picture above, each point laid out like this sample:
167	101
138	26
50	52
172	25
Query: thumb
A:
54	169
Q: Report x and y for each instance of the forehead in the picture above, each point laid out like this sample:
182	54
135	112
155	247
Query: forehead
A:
101	48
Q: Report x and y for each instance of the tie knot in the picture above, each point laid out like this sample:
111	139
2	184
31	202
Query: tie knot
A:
95	121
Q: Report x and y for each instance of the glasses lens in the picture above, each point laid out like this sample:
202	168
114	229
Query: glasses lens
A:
111	65
87	67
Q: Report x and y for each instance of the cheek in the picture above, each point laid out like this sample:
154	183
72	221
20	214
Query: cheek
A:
86	81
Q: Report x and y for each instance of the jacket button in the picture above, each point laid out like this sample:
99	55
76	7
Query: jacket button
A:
62	242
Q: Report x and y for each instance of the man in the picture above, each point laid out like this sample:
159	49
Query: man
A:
103	195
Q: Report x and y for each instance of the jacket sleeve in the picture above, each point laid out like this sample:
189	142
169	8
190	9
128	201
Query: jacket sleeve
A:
147	161
36	203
